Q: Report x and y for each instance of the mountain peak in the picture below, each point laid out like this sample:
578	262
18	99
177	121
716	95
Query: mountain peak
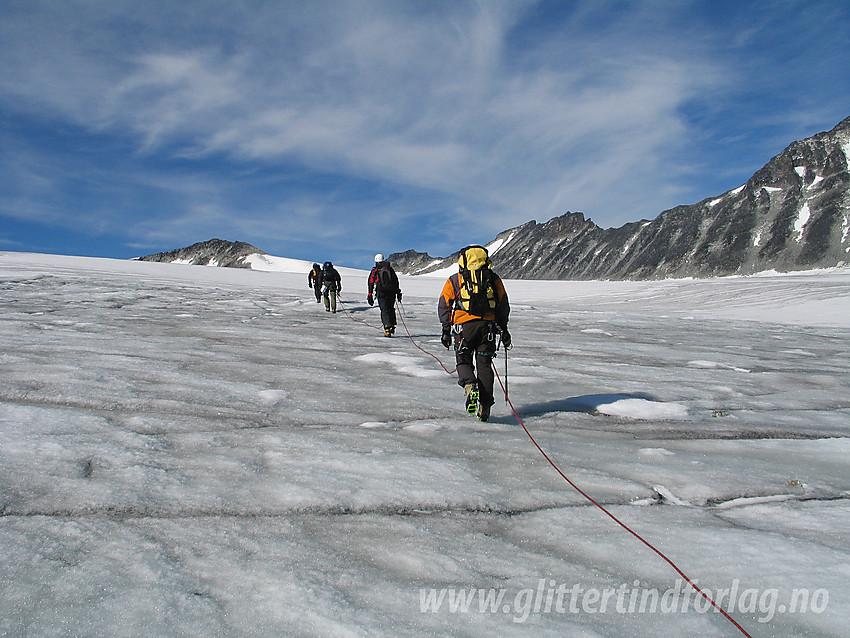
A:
213	252
843	125
792	214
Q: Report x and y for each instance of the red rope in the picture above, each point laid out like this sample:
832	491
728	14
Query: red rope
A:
353	318
410	336
565	477
614	518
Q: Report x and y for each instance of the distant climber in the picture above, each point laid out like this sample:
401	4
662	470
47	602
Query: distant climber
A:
314	281
383	281
331	286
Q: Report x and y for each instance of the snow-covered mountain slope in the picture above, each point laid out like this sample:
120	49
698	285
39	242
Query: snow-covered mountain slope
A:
793	214
206	452
230	254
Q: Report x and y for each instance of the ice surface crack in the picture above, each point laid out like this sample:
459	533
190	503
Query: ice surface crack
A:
117	513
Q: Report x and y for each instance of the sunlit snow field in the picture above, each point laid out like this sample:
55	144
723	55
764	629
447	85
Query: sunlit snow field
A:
197	451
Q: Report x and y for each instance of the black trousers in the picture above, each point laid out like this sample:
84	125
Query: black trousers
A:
387	305
475	347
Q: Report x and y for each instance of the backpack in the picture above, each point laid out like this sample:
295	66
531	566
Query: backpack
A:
476	295
331	278
384	279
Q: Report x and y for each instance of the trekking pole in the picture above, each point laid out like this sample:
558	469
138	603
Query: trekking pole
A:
506	374
505	384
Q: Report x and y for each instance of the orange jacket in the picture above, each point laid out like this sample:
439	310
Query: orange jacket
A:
450	313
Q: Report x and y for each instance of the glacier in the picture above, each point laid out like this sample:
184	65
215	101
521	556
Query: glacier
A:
188	450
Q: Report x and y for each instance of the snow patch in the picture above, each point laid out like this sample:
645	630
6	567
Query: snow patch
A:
644	410
655	452
270	263
596	331
442	273
802	219
737	190
404	364
271	396
423	427
801	171
756	500
433	263
375	425
498	244
713	365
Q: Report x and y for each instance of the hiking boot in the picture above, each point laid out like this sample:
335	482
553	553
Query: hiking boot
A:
388	332
471	398
483	412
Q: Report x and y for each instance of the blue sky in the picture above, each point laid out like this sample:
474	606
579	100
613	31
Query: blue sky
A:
335	130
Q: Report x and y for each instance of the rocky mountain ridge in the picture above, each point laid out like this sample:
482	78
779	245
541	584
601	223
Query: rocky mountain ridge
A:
793	214
213	252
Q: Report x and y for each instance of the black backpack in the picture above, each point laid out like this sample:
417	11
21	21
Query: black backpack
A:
384	279
476	295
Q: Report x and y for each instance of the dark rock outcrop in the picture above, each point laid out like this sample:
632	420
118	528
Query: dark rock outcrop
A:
214	252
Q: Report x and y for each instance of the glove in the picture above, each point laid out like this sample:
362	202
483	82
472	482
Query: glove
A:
506	338
446	338
370	299
398	296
